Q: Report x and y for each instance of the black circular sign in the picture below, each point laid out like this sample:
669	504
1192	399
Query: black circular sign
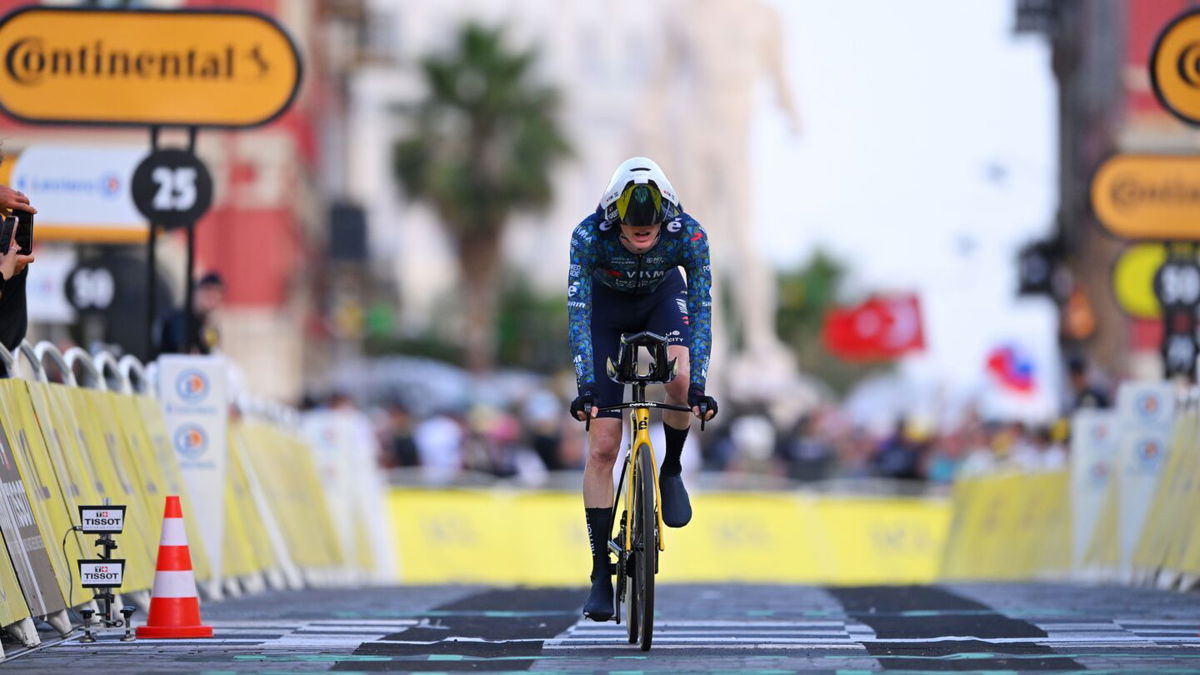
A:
1177	283
91	287
172	188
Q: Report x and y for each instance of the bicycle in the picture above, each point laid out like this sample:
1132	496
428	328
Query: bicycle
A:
639	537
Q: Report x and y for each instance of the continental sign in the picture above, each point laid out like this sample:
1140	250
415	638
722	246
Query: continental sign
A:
1149	196
1175	67
227	68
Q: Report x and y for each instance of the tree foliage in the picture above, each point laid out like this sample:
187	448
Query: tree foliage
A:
481	147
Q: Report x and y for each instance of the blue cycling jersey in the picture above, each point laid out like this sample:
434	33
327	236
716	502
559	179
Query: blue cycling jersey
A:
597	256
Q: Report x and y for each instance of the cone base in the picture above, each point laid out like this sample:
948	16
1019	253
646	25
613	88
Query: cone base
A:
167	632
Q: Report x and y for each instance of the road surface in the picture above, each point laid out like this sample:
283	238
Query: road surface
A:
724	628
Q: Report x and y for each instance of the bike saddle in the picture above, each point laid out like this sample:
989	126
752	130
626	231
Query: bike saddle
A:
625	371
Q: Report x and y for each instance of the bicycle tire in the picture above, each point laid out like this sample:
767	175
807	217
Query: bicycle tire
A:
648	555
630	558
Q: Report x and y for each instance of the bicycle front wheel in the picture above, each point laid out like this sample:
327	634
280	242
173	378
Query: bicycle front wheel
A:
647	553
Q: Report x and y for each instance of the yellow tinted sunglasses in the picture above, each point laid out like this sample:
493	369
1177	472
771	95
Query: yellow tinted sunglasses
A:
627	197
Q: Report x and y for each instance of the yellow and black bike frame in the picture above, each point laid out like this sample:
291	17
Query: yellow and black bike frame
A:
639	432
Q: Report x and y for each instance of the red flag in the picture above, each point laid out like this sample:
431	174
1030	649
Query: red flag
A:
880	329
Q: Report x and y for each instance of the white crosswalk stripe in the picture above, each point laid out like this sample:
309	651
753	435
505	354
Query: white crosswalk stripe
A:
1128	632
267	635
824	634
850	634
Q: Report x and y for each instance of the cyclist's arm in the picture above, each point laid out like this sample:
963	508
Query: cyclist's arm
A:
579	304
699	300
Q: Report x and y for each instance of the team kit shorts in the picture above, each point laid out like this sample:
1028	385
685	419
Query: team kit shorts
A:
662	311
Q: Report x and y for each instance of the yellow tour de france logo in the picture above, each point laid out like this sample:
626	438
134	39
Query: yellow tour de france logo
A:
1133	280
1149	196
221	68
1175	67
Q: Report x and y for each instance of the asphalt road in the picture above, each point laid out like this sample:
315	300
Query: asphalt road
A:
699	628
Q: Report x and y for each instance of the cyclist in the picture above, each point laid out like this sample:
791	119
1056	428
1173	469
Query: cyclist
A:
625	277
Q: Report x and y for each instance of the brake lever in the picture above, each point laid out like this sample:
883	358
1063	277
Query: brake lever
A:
703	414
587	421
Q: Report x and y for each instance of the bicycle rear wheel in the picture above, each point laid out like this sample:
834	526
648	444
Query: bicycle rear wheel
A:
647	552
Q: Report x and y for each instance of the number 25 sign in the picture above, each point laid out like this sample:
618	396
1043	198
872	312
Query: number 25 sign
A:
172	188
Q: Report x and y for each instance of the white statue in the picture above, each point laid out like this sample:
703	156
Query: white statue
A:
697	121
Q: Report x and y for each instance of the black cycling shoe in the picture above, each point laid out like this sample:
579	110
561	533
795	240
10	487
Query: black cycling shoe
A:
599	605
676	508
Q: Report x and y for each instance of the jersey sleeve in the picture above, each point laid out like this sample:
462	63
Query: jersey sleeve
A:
579	303
699	300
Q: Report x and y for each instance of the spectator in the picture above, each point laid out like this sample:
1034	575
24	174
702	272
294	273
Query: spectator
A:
542	412
402	446
207	298
807	452
899	455
439	442
1084	392
13	272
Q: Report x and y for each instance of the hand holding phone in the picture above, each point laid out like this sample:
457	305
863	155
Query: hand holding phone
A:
24	230
7	230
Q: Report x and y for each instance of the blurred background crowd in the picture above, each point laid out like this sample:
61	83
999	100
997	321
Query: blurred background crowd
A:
909	280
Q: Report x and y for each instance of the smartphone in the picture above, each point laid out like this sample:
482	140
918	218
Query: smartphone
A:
24	230
6	232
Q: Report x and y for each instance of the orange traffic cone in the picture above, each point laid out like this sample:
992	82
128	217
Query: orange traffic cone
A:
174	605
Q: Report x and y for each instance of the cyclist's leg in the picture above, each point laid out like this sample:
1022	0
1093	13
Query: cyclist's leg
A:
611	312
604	440
670	319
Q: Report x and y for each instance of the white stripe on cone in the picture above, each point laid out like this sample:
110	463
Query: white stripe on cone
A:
179	584
174	533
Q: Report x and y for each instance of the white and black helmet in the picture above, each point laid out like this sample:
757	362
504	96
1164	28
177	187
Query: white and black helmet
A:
636	193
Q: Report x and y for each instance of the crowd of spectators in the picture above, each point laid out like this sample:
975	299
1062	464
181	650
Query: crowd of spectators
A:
532	437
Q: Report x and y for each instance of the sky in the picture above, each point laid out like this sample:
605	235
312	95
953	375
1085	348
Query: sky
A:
926	159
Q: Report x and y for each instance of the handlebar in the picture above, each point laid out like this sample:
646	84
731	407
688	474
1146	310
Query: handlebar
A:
587	421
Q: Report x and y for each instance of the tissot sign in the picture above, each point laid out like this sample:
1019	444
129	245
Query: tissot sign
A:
1149	196
221	68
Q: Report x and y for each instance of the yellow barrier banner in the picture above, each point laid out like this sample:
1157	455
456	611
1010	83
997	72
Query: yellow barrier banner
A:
151	416
881	540
13	607
1010	526
23	535
1185	556
306	484
102	443
1159	536
1104	545
252	519
97	455
55	518
289	479
539	538
239	555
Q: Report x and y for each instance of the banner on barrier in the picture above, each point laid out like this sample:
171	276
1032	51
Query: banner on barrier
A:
344	447
1094	443
43	484
162	456
23	539
110	464
441	535
195	404
1146	411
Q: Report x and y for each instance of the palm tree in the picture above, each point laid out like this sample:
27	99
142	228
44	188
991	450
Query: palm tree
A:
481	147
